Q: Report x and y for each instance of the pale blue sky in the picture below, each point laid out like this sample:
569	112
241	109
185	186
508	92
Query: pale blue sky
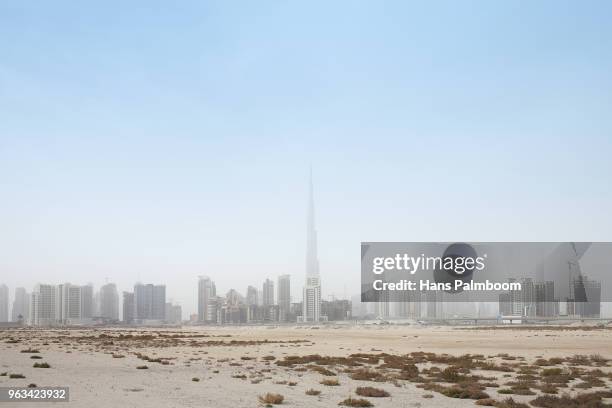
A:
160	141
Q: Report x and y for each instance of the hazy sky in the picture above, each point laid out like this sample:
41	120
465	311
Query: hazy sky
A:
160	142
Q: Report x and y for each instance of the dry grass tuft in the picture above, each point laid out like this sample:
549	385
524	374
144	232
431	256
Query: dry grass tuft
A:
356	402
371	392
367	375
510	403
16	376
330	382
312	391
589	400
271	398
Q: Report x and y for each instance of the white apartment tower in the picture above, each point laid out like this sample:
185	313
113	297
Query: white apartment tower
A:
43	305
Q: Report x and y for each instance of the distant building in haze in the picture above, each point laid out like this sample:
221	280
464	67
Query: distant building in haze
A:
206	294
4	303
284	297
109	302
21	306
43	305
150	302
311	308
128	307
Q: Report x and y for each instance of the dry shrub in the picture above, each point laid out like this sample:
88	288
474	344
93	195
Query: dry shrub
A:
356	402
364	374
322	370
16	376
463	390
486	402
271	398
312	391
142	367
510	403
330	382
371	392
41	365
589	400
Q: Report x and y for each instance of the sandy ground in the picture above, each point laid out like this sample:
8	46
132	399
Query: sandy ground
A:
83	361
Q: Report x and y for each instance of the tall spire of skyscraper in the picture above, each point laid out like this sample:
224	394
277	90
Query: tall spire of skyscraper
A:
311	306
312	261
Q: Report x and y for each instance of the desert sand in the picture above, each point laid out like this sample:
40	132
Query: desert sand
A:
233	366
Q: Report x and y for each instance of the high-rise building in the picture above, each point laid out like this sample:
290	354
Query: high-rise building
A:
173	313
21	306
546	304
68	304
251	297
587	297
43	305
206	292
268	292
109	302
72	304
4	303
128	307
311	309
158	307
150	301
284	297
87	302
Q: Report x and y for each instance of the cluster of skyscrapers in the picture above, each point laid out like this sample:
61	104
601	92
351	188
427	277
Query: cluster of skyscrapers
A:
73	304
537	299
68	304
261	305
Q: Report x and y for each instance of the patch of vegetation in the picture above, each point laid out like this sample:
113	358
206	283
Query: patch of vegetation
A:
463	390
16	376
510	403
30	350
356	402
364	374
36	357
371	392
589	400
195	379
331	382
41	365
142	367
312	391
271	398
322	370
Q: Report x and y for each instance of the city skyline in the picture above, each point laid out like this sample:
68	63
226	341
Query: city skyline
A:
161	151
